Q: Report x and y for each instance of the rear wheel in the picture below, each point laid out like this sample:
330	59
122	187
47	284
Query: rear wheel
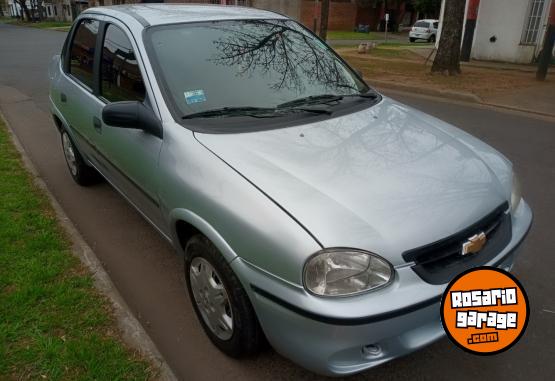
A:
81	173
432	38
412	39
220	302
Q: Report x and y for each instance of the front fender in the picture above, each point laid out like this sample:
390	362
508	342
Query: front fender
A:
202	226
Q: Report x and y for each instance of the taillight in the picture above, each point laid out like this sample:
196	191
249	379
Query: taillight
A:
429	30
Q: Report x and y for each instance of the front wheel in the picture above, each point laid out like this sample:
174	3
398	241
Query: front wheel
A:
220	302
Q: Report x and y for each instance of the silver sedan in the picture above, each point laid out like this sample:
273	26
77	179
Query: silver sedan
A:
311	210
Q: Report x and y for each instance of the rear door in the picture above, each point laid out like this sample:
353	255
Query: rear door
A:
127	157
77	101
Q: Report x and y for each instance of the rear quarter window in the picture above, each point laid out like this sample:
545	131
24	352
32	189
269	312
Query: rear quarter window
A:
81	51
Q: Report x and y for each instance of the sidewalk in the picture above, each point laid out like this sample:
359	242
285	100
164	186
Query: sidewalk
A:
503	85
539	99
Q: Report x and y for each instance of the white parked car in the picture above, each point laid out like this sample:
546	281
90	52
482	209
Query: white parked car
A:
424	30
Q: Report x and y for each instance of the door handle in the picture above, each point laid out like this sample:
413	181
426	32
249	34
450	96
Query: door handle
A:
97	124
63	98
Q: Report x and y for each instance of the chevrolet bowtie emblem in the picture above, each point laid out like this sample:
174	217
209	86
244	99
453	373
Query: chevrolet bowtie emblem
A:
474	244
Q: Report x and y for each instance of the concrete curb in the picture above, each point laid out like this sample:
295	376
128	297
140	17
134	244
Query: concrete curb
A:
452	95
133	333
518	109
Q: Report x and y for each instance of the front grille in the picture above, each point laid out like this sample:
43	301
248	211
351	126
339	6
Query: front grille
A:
441	261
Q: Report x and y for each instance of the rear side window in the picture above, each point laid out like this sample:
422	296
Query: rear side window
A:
121	76
82	51
436	25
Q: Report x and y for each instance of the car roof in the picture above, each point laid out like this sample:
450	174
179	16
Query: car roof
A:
429	20
159	14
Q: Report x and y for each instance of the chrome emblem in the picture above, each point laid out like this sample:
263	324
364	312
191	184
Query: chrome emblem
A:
474	244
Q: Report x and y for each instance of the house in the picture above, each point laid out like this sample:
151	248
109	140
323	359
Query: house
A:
59	10
504	30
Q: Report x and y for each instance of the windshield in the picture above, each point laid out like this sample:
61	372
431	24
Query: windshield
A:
421	24
245	63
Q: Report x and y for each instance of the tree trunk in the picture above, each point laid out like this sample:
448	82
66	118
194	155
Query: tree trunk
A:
548	43
324	12
449	49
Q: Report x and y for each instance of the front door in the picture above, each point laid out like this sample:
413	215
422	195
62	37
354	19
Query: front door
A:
128	157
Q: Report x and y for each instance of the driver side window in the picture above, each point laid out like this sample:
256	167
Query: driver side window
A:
121	78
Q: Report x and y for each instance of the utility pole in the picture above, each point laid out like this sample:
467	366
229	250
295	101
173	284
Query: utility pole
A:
325	12
470	26
548	43
386	22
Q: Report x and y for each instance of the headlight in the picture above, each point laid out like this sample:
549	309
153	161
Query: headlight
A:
341	272
516	194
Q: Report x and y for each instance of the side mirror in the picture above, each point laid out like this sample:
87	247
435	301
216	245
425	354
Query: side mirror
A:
131	114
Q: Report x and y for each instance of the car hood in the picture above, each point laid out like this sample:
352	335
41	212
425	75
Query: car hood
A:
385	179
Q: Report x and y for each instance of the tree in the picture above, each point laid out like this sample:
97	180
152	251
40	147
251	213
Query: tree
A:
549	42
292	56
449	49
324	15
427	7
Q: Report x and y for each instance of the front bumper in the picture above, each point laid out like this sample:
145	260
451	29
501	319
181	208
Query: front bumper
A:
341	336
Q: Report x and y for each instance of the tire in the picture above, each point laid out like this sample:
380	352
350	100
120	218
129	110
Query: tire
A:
246	337
432	38
81	173
412	39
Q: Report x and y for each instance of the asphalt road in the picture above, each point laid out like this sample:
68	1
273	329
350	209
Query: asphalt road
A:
149	275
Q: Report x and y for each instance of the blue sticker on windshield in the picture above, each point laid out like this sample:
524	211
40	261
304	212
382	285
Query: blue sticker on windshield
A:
194	96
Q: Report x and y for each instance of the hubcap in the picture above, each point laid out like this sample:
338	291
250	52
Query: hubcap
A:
211	298
69	154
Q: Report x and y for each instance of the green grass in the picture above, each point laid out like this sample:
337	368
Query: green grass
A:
53	323
414	45
384	51
56	25
342	35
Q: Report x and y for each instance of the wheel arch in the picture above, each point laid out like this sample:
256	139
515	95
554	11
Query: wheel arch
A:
58	122
186	224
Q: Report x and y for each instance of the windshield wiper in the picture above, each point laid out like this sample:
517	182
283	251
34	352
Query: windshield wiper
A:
311	100
305	109
256	112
